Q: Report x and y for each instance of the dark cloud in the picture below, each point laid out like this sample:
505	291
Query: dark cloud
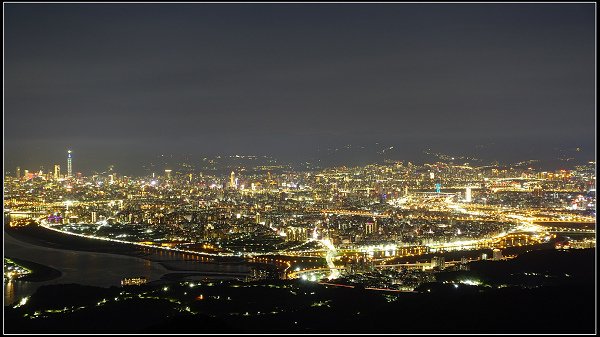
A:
124	81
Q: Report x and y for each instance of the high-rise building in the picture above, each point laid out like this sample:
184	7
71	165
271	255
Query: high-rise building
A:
438	262
168	174
56	171
497	254
468	194
69	164
464	264
294	233
368	228
94	217
18	172
371	227
232	180
257	218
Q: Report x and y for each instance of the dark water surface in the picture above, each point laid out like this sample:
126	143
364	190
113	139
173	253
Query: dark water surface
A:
97	269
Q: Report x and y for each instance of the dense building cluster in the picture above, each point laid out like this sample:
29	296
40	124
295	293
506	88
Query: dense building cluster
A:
380	211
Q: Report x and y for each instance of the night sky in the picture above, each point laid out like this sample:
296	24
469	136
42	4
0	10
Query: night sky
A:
122	83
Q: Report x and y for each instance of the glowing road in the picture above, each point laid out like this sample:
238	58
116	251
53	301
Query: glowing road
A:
331	252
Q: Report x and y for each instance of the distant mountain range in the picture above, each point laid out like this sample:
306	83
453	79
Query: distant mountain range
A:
378	153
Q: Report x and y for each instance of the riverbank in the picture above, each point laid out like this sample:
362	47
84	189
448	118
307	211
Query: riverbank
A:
39	272
297	306
471	253
170	277
40	236
81	267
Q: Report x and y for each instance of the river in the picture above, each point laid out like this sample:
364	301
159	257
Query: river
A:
87	268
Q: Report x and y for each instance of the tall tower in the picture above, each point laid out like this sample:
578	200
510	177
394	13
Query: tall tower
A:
18	172
232	179
69	165
56	171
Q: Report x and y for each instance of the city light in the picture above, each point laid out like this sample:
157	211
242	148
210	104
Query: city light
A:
300	169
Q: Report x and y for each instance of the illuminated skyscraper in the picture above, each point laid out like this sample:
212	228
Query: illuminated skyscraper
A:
69	165
18	172
468	194
56	171
371	227
438	262
232	179
497	254
168	174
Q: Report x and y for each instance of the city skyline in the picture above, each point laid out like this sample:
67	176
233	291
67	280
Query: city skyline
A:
299	168
563	159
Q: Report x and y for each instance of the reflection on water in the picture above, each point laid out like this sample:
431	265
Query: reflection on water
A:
9	292
192	265
89	268
167	255
15	290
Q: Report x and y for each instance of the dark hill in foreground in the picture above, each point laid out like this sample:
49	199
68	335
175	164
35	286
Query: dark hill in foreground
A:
565	306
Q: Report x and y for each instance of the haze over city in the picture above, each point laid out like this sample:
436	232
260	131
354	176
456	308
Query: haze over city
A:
389	168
